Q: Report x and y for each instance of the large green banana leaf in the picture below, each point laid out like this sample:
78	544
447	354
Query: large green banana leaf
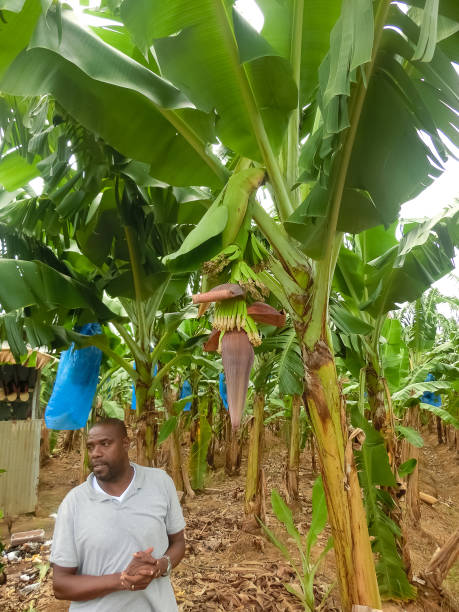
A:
286	364
402	274
411	393
382	273
28	283
15	172
247	80
115	97
389	163
374	473
394	354
317	21
16	26
220	62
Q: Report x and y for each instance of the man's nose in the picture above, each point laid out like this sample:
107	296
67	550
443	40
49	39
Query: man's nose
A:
96	451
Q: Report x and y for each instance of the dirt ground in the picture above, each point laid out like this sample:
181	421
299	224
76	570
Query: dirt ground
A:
226	568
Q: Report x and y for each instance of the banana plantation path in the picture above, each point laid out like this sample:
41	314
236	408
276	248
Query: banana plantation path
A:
227	568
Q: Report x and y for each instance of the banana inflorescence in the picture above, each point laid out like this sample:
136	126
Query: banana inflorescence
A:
217	264
248	279
229	278
232	314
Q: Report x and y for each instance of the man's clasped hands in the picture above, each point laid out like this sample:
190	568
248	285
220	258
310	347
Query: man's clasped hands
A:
142	570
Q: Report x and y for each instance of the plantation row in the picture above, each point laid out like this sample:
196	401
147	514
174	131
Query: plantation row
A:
136	154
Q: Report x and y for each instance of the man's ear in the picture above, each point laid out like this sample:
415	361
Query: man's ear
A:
126	443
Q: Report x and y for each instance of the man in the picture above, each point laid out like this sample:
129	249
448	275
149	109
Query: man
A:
119	534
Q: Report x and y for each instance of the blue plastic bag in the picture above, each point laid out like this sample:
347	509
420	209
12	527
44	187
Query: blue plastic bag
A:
222	389
75	385
185	392
429	397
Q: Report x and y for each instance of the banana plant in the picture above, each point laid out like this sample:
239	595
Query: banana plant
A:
69	264
372	280
382	368
181	351
305	570
328	99
432	369
254	485
283	364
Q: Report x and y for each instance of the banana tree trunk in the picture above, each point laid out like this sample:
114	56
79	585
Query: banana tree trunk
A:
451	437
71	440
354	557
375	390
129	414
84	457
413	508
178	470
254	489
293	463
382	418
213	440
307	292
313	453
175	467
147	425
439	430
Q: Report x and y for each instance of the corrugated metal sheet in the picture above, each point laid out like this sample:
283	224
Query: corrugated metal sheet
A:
20	457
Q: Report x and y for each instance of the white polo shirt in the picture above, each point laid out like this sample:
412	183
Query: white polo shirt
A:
98	534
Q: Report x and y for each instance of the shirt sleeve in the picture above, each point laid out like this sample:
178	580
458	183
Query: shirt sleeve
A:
63	550
174	519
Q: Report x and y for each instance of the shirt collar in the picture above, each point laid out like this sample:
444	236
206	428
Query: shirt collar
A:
139	479
139	475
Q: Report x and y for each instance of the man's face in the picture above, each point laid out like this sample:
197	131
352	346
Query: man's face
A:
108	452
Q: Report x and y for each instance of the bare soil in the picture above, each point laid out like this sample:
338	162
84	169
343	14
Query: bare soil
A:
227	568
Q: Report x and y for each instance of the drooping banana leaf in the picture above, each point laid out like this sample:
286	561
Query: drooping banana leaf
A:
442	413
374	471
15	171
114	96
18	21
317	21
402	97
241	62
411	435
425	254
411	393
27	283
286	365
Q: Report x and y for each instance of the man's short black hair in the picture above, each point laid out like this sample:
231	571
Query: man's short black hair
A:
120	426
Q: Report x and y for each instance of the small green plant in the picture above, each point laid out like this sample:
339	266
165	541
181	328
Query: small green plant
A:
43	569
306	569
